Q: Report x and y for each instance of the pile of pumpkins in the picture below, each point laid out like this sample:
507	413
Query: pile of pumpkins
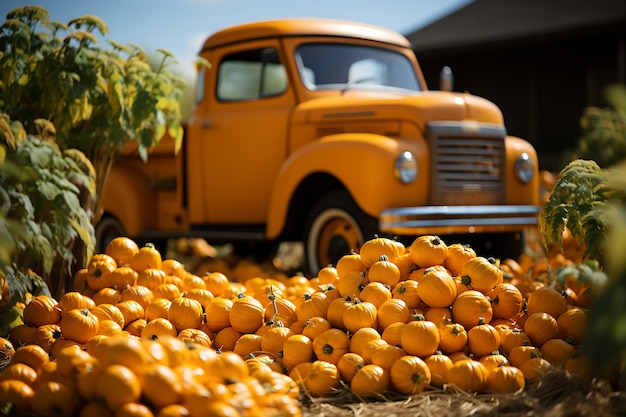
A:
143	336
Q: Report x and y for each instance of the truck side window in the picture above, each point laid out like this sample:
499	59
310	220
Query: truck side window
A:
250	75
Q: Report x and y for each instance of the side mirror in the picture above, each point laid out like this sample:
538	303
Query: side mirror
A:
446	79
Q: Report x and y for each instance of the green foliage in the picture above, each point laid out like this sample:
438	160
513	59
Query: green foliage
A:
578	202
41	213
74	105
603	137
98	98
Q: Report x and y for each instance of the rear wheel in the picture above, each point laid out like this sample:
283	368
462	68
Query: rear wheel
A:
334	227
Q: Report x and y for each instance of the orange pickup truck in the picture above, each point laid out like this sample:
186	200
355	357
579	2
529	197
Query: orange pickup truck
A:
324	132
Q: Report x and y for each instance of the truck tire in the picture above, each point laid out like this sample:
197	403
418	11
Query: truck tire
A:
334	227
106	230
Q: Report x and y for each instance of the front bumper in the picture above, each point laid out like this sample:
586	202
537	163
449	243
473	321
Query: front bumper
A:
407	221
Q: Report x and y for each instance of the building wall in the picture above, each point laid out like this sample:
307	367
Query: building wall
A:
542	86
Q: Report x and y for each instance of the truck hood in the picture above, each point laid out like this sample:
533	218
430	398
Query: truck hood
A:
418	108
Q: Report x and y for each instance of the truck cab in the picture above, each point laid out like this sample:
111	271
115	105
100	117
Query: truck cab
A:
324	132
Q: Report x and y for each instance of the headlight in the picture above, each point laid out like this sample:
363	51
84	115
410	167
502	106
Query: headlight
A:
525	168
405	167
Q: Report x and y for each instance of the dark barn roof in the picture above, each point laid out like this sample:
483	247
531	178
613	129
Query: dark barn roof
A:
484	23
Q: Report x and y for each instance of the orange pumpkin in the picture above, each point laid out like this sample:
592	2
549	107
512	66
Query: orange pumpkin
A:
384	271
360	314
146	257
122	249
46	335
118	385
481	274
468	375
420	337
322	378
246	314
410	375
160	385
361	338
540	327
54	398
98	270
456	257
556	351
185	313
373	249
370	380
407	291
428	250
375	293
79	325
331	345
195	336
391	311
41	310
348	365
572	324
534	369
131	310
151	278
335	312
483	339
439	365
297	348
349	263
16	397
437	288
505	379
351	284
506	300
469	307
218	314
20	372
546	300
74	299
109	312
157	328
143	295
453	338
314	305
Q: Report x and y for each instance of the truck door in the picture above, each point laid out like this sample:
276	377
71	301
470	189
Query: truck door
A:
243	133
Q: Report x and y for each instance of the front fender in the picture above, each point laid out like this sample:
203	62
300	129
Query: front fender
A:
127	196
362	162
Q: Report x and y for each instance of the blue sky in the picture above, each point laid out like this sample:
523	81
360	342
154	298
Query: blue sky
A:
181	26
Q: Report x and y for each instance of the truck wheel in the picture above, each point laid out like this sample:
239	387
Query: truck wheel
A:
335	226
107	229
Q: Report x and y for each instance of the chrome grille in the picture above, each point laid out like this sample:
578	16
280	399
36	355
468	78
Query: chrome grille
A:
467	163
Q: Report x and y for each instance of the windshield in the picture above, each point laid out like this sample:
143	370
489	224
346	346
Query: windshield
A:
333	65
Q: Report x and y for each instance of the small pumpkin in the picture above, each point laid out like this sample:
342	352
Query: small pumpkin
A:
384	271
41	310
469	307
157	328
370	380
453	338
331	345
505	379
481	274
439	365
541	327
160	385
79	325
506	300
360	314
546	300
407	291
151	278
246	314
122	249
375	293
350	263
146	257
184	313
428	250
348	365
483	339
314	326
437	288
314	305
373	249
456	257
322	378
16	397
131	310
143	295
297	348
216	282
336	310
218	314
391	311
420	337
118	385
410	375
469	375
74	299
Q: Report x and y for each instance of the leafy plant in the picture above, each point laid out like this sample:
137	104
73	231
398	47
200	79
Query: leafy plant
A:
98	98
74	105
578	201
41	213
603	130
